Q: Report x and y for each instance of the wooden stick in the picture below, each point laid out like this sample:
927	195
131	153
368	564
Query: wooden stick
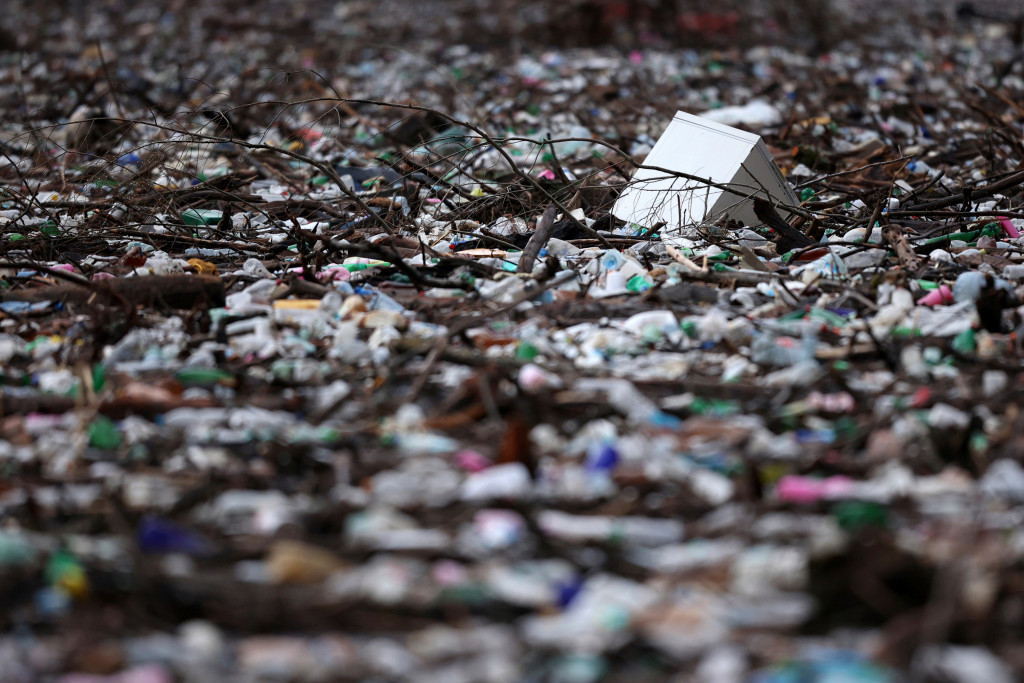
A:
161	291
540	237
895	238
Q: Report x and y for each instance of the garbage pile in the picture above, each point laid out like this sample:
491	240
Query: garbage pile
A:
355	373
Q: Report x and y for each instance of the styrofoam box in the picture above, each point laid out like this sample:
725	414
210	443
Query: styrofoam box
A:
708	150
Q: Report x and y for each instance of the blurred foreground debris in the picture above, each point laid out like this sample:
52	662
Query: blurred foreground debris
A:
354	373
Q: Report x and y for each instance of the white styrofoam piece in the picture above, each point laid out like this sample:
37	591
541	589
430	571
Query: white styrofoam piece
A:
706	149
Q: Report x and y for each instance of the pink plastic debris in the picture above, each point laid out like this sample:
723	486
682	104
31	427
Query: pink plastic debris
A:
840	402
937	297
471	461
794	488
1009	227
334	274
534	378
151	673
449	573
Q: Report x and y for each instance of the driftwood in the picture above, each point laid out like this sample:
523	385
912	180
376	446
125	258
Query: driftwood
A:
789	238
160	291
895	238
540	237
969	194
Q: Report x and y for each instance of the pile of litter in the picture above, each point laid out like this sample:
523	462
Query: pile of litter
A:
301	382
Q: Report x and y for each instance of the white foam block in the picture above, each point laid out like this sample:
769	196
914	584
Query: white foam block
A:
709	150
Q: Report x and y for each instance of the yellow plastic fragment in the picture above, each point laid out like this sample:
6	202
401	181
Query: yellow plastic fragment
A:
297	304
295	311
203	267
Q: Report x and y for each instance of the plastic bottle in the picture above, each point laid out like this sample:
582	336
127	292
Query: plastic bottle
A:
509	481
255	268
969	284
783	351
629	531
